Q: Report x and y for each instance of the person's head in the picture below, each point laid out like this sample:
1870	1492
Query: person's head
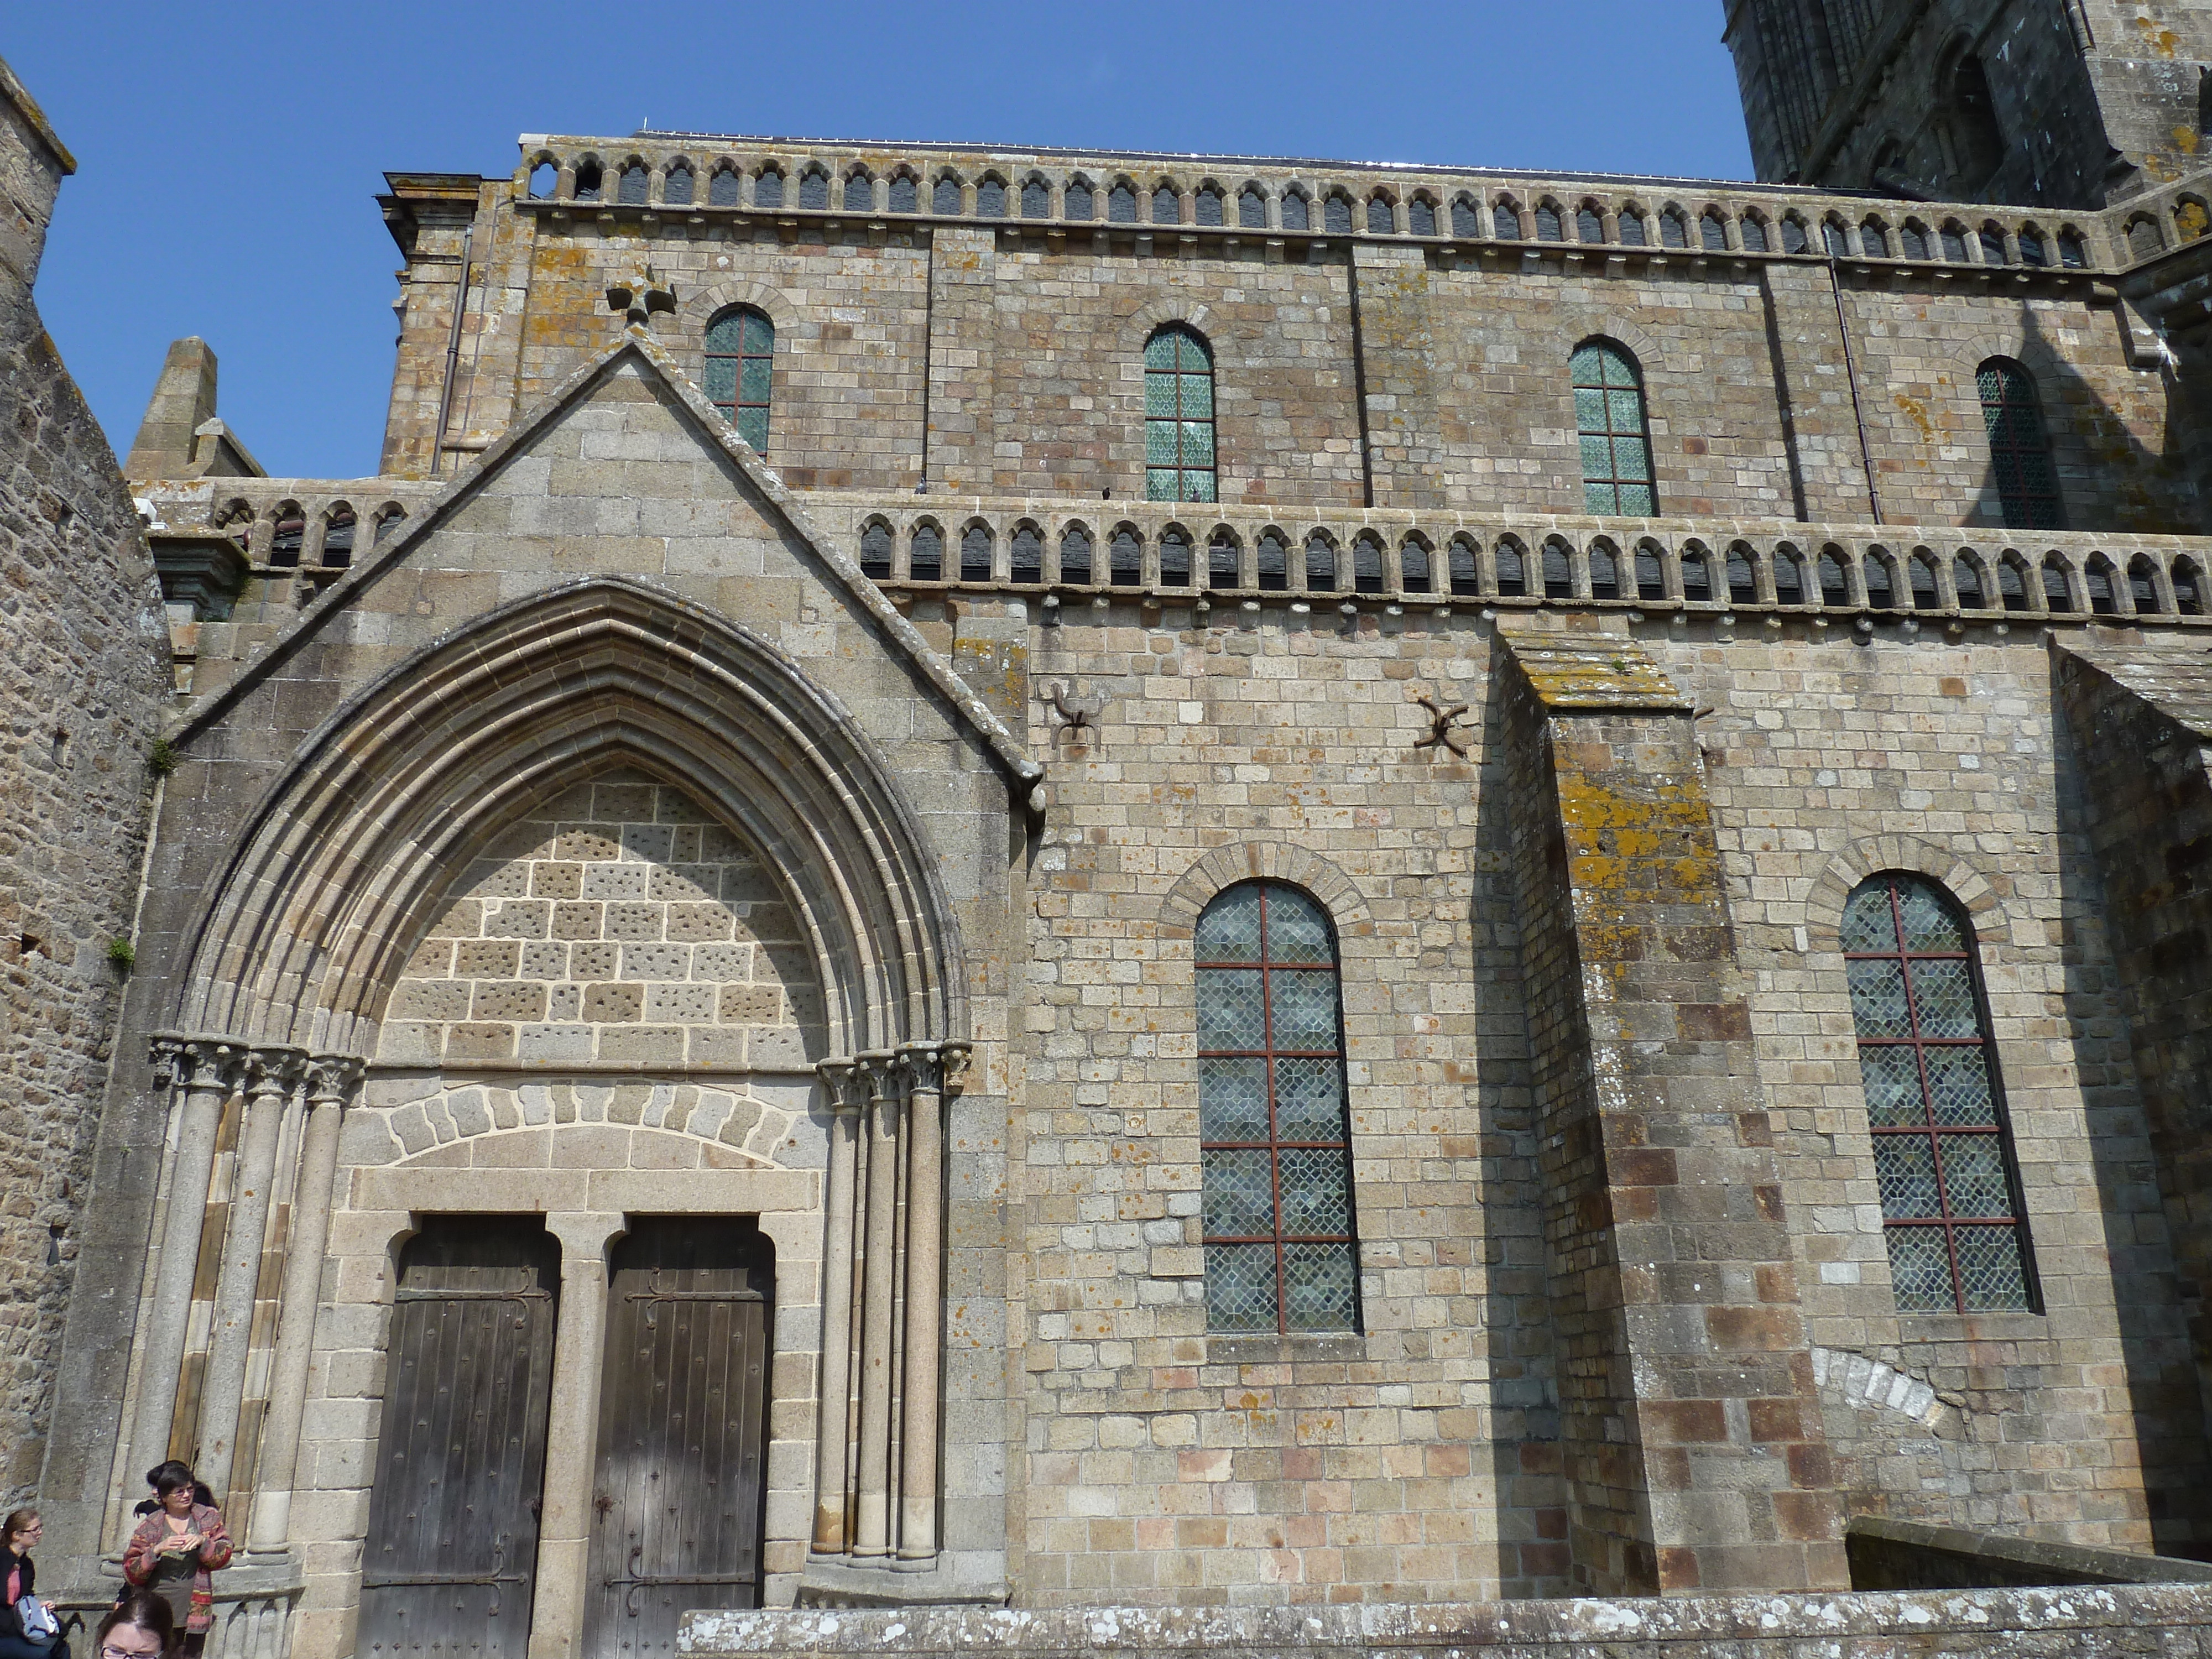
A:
21	1530
174	1486
140	1627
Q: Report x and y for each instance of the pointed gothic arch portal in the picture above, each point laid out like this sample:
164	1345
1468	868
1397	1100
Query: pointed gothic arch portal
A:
345	866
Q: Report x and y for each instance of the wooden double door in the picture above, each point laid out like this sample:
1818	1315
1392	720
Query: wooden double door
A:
450	1565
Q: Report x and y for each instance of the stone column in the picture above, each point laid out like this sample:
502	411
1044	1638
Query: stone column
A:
1696	1456
936	1073
564	1535
271	1074
830	1445
871	1510
332	1081
201	1073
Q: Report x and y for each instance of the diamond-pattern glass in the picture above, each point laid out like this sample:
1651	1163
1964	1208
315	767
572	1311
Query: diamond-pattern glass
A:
1240	1197
1240	1287
1286	1175
1906	1165
1958	1086
1316	1189
1912	983
1920	1268
1616	453
1304	1003
753	382
1229	1009
1309	1098
1943	997
1891	1075
2020	454
1232	1099
1160	394
1992	1277
1230	929
1878	999
1321	1287
1297	929
752	427
1974	1177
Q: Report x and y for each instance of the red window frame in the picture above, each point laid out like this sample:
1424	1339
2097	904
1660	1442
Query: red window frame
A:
1267	966
1929	1129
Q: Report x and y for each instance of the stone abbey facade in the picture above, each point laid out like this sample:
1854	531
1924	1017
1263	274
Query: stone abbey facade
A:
1270	888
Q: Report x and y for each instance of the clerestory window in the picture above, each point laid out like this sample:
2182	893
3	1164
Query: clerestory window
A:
1616	449
1281	1252
740	365
2019	452
1179	450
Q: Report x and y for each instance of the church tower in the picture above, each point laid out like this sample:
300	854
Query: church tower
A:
2047	103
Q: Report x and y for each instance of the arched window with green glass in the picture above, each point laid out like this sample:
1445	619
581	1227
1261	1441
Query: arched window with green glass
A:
2019	449
1951	1206
1178	416
1616	443
740	371
1281	1251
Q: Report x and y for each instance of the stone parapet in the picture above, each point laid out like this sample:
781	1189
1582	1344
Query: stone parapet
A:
2090	1623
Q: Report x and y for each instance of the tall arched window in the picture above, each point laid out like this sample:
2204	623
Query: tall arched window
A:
1178	416
740	363
1609	415
1281	1255
2020	453
1950	1188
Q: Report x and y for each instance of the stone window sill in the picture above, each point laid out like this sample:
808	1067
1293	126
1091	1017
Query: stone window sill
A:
1283	1350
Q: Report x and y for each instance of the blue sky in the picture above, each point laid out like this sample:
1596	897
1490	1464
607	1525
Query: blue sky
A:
227	153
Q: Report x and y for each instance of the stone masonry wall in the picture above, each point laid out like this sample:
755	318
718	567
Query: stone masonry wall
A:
82	645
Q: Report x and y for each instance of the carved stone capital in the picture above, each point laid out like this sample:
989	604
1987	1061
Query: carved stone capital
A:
333	1079
953	1058
847	1089
193	1064
882	1069
274	1069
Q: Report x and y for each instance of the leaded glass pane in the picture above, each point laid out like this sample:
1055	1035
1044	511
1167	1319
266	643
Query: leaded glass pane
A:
1240	1194
1198	443
1601	498
1232	1099
1929	924
1993	1278
1197	393
753	383
1919	1267
1597	456
1315	1183
1891	1076
1631	461
1159	389
1906	1165
1297	928
1309	1098
1589	409
1304	1004
1943	997
721	379
1229	1011
1625	410
1878	999
1198	486
1637	500
1240	1287
1974	1175
1160	448
759	334
752	427
1588	365
1321	1287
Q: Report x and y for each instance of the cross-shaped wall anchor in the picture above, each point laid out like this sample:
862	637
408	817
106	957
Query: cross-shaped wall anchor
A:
641	294
1443	728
